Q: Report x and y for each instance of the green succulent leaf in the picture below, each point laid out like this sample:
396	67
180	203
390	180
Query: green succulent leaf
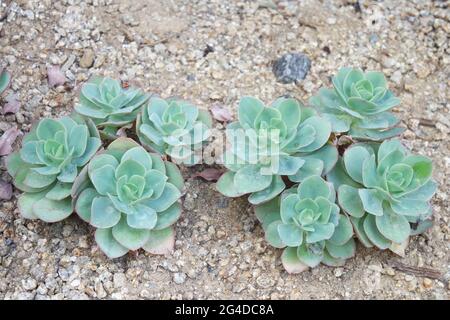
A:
110	246
343	232
314	187
393	226
308	257
290	234
371	201
144	217
249	179
52	211
374	235
129	237
103	213
273	236
350	201
291	262
26	202
274	189
268	212
343	251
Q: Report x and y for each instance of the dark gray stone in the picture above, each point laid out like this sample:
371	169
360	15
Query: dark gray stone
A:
291	67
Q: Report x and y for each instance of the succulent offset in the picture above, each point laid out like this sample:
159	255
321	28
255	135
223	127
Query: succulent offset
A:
109	105
131	197
306	222
386	191
267	143
46	166
175	128
358	105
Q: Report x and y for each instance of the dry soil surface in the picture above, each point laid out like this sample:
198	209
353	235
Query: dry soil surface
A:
213	52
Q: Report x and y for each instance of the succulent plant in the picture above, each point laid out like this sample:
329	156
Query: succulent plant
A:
176	128
267	143
386	191
131	197
358	105
5	78
306	222
46	166
109	105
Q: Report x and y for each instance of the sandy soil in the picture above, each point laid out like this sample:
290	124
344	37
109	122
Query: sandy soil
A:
162	46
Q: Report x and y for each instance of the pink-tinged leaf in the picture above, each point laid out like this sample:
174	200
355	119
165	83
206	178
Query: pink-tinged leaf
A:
7	140
5	190
220	113
55	76
160	241
12	104
209	174
290	261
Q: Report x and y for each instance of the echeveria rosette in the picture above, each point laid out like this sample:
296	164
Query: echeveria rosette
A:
109	105
131	197
359	105
386	190
5	79
257	159
306	222
45	168
175	128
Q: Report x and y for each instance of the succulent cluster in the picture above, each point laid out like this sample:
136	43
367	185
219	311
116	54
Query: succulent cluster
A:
285	139
175	128
306	222
131	197
383	191
48	163
358	105
311	192
109	105
386	191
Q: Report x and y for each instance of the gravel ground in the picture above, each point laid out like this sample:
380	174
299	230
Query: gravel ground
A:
213	52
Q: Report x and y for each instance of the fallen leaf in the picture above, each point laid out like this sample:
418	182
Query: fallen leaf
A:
209	174
55	76
7	139
12	104
5	190
220	113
